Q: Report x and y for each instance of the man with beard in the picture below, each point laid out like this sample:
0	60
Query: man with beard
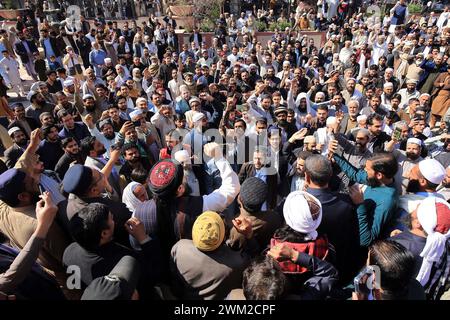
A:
128	134
87	185
77	130
50	148
378	138
89	107
444	187
417	126
133	160
30	163
72	155
259	168
295	178
19	195
95	153
424	179
26	124
113	114
406	160
349	120
355	152
287	129
378	200
13	153
106	135
63	103
409	92
38	105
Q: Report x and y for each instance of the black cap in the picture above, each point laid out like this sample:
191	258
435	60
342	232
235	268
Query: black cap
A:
119	284
253	194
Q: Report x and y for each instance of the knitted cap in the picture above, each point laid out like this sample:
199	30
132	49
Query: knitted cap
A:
253	194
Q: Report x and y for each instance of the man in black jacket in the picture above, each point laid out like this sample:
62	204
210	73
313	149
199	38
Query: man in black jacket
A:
96	253
378	138
25	49
339	221
84	47
71	155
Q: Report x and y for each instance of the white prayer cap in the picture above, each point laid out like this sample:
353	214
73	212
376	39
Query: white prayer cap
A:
194	99
411	81
388	85
360	118
414	141
12	130
182	156
432	170
351	79
107	60
140	99
68	83
389	70
303	213
135	113
88	96
197	116
286	63
331	121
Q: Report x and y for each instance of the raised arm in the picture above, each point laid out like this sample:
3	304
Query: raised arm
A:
221	198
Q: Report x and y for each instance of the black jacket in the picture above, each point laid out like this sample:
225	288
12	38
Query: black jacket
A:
19	47
100	262
340	224
12	154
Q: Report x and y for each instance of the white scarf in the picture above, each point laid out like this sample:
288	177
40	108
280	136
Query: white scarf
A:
436	242
129	198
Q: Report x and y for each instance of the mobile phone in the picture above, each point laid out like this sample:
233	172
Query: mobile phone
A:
361	280
41	189
397	134
137	123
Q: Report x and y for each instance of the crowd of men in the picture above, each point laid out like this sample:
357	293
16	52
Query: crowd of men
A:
138	166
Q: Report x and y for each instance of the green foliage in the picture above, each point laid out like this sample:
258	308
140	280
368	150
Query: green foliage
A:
414	8
260	26
281	26
10	4
207	25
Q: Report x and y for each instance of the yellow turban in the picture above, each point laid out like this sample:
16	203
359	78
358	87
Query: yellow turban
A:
208	231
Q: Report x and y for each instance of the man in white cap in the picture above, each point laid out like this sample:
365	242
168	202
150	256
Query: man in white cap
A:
182	156
13	153
424	178
427	239
163	120
195	138
407	160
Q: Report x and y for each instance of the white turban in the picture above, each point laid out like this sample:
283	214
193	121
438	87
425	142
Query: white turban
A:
128	197
182	156
297	214
429	218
